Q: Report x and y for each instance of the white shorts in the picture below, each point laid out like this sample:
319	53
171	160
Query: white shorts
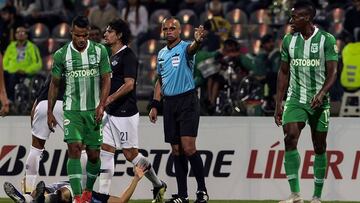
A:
121	132
40	128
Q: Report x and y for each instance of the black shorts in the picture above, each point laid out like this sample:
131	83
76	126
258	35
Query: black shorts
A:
181	116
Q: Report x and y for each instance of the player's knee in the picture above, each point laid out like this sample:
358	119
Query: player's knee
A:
175	151
38	143
130	154
74	150
93	155
290	141
188	151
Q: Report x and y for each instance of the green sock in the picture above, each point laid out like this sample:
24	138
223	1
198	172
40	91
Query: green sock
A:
292	165
92	170
320	164
74	174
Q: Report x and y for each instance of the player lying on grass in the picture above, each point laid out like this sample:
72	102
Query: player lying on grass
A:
61	192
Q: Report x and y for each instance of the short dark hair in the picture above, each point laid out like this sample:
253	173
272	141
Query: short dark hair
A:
171	18
80	21
232	43
307	5
25	26
120	26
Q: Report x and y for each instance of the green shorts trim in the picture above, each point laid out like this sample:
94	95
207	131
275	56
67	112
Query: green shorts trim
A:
296	112
80	126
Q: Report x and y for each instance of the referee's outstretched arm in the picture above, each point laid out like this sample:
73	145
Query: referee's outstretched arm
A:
199	36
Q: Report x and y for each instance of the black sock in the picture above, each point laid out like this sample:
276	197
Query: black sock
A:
181	171
198	170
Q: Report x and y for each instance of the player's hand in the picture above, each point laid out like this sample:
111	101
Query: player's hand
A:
317	100
51	121
278	115
153	115
4	106
99	113
139	171
199	34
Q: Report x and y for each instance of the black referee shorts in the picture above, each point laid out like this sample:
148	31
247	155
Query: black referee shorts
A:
181	116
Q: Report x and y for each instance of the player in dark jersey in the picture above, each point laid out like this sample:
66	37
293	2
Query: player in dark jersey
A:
61	192
122	116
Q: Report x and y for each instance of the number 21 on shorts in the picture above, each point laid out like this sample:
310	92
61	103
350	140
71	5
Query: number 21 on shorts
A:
123	136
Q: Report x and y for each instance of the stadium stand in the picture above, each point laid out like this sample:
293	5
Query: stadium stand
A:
246	23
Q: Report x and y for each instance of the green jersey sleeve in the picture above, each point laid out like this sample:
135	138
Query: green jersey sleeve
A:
330	48
58	64
285	48
104	61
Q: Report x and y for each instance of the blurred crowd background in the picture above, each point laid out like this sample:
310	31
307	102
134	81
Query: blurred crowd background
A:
235	70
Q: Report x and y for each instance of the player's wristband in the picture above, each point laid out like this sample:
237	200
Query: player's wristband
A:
155	104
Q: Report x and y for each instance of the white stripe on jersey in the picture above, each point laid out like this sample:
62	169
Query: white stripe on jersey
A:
71	81
320	79
97	79
292	45
82	82
292	53
303	76
306	53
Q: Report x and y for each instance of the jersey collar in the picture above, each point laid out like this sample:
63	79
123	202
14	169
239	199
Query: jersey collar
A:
87	46
313	34
173	46
122	48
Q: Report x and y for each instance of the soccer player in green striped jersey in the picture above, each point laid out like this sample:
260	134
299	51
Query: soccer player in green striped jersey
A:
86	68
308	70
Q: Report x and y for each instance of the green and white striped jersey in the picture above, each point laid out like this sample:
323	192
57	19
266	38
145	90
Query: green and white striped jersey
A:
307	63
82	72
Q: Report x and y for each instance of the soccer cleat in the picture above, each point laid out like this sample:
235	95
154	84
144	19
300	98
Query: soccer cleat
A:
39	193
86	196
159	192
315	200
293	198
177	199
201	197
77	199
13	193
